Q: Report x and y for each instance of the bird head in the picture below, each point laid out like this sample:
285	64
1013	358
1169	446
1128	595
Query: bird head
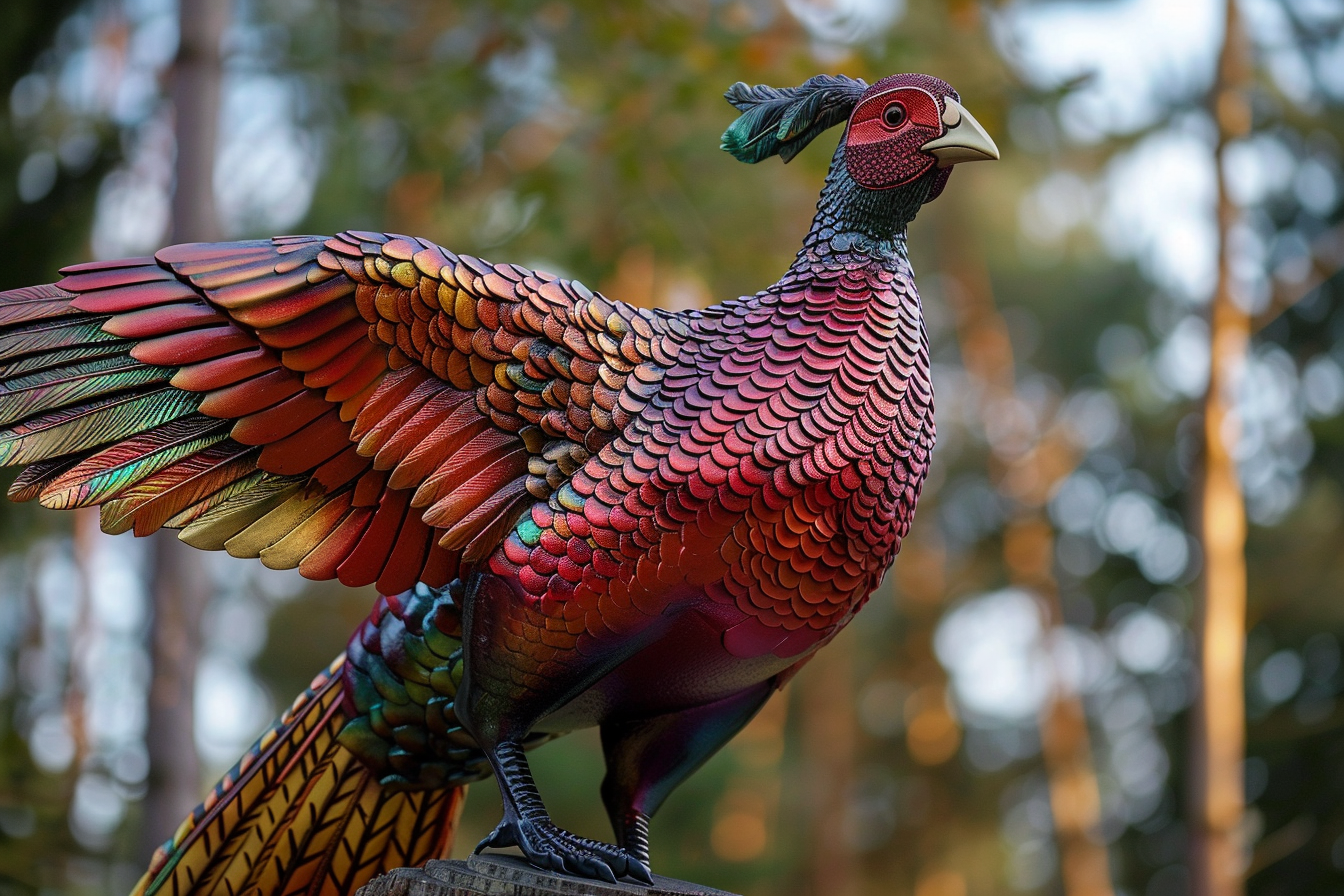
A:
902	136
906	126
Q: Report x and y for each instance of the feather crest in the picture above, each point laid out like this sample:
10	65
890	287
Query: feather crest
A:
782	120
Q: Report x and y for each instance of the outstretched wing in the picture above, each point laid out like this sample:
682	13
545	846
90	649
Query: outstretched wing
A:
368	407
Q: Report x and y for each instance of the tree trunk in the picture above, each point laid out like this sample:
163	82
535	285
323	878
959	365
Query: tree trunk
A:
82	635
1218	719
195	92
178	599
1028	557
178	589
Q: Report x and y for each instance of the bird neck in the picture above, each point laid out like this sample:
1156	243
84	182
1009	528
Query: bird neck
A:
853	220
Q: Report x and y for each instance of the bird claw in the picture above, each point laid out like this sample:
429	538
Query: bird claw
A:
639	871
500	838
550	847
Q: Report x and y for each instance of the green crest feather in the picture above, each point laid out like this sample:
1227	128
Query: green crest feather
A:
782	120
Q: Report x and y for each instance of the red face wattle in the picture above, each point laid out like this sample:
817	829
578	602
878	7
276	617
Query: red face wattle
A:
886	131
891	125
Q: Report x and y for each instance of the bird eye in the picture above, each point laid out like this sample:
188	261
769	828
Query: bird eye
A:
894	115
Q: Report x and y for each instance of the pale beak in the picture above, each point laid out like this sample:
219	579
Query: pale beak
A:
965	140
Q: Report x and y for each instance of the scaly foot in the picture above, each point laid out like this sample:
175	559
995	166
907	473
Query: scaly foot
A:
527	826
633	835
548	846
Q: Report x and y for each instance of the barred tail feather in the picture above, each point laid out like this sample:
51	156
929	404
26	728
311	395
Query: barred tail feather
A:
301	814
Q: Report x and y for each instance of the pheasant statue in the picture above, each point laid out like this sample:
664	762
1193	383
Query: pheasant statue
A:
579	513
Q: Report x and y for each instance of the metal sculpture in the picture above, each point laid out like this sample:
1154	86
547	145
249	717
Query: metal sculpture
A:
581	513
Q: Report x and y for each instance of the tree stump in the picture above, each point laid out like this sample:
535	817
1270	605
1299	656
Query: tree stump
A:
501	874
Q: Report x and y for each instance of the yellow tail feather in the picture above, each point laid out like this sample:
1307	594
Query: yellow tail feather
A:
300	815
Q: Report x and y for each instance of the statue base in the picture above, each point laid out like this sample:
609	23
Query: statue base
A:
502	874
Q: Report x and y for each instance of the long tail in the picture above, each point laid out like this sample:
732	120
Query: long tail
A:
302	814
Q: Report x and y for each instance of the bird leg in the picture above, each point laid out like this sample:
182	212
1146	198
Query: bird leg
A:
503	693
527	826
647	758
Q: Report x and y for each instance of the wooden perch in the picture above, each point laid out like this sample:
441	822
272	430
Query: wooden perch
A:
499	874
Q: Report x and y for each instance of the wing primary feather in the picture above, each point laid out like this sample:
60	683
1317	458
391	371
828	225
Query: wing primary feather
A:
61	357
156	499
290	550
21	312
33	478
407	558
275	524
74	367
52	390
60	333
34	303
233	509
103	475
40	294
364	563
135	261
322	561
89	426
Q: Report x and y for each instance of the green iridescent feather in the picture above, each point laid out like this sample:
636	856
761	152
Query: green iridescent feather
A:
54	334
151	503
60	357
105	420
60	387
123	465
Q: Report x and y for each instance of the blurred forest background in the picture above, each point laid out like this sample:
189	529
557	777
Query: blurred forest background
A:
1013	711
